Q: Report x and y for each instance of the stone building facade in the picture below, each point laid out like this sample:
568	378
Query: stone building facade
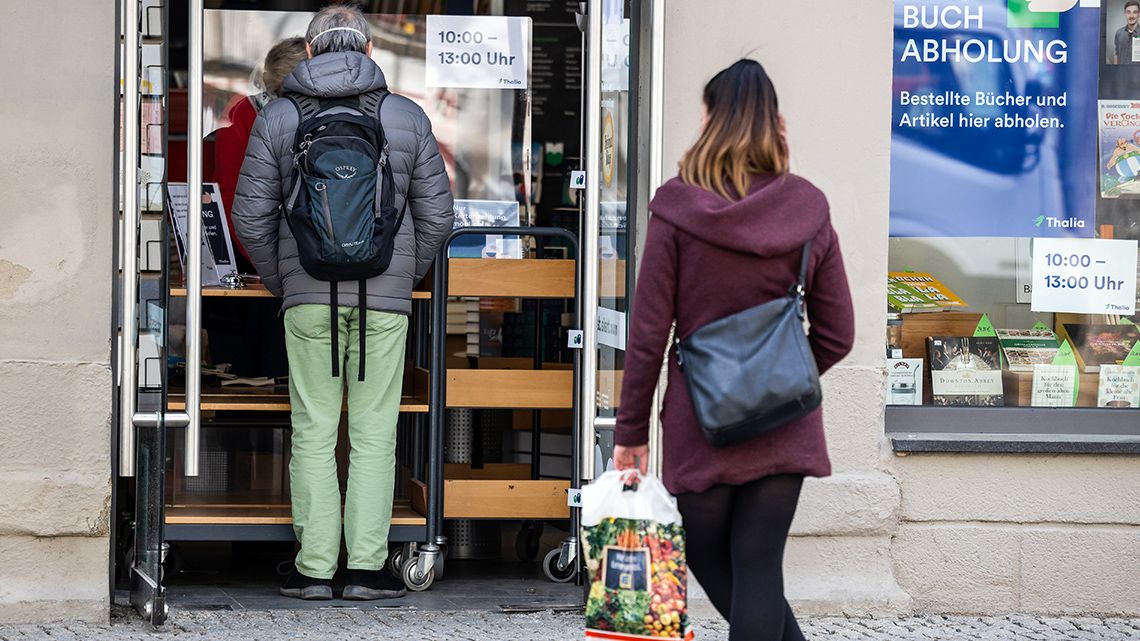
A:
886	534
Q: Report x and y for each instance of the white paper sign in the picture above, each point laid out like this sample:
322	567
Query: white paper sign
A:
1084	276
480	52
611	328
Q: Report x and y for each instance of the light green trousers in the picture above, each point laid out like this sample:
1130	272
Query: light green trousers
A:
373	409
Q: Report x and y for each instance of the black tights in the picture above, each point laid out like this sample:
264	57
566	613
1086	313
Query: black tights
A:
735	548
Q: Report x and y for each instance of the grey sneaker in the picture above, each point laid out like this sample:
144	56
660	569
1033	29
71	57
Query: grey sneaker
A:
369	585
299	586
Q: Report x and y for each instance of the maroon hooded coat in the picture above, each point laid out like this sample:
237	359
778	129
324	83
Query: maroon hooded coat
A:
704	258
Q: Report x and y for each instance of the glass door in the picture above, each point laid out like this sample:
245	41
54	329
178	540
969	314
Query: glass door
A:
617	118
142	300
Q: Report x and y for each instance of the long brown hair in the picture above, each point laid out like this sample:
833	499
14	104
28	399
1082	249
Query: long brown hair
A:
742	136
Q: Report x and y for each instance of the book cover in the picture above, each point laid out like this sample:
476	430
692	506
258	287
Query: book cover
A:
1119	148
904	381
1119	387
1054	385
965	370
1096	345
910	292
1024	348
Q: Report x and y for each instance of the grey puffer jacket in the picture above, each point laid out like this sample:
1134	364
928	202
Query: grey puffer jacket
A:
266	175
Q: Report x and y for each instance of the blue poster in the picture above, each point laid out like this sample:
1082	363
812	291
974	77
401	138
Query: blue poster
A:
995	118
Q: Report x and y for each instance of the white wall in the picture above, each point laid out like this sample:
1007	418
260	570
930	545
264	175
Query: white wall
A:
57	124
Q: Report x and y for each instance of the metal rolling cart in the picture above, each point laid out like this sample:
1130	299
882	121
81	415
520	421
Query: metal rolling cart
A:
497	491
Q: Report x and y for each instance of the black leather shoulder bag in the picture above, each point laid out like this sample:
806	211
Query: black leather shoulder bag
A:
752	371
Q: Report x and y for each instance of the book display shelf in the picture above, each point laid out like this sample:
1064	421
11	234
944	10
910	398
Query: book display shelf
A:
960	350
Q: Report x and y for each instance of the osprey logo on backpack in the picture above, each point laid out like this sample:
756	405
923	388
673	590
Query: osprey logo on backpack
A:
341	205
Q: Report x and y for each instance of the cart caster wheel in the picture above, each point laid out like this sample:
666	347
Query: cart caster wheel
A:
552	571
413	579
528	542
396	562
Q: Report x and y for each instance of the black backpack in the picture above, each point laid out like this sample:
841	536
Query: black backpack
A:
341	206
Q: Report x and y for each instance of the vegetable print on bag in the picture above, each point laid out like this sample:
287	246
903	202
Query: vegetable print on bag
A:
635	553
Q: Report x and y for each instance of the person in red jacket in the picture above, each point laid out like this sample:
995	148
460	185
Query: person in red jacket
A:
726	235
248	333
231	141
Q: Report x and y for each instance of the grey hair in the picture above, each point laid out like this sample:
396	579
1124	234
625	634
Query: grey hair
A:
339	17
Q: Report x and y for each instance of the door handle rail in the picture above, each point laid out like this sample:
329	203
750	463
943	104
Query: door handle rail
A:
129	243
194	242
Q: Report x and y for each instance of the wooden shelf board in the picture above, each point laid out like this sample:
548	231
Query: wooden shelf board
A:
402	514
525	278
267	400
510	389
497	491
257	290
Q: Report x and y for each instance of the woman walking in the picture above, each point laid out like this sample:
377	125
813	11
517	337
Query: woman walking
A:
727	235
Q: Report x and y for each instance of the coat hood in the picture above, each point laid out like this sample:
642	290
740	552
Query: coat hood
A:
336	75
779	214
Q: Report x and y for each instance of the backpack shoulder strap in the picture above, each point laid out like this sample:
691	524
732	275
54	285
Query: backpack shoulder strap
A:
371	101
307	106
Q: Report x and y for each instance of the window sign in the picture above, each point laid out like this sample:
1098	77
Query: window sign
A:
1084	276
481	52
993	130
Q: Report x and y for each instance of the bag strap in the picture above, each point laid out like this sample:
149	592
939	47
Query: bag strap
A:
797	289
362	292
334	328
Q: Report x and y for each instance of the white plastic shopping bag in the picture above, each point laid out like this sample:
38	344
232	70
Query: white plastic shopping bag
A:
635	552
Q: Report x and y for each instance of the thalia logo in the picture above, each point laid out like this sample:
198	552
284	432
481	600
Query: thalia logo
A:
1052	222
344	172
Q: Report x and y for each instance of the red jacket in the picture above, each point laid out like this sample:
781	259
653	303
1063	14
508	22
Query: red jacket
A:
229	152
705	258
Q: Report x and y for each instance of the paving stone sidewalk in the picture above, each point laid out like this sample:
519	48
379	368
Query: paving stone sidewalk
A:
351	624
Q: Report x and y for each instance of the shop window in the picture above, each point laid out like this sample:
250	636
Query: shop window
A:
1015	214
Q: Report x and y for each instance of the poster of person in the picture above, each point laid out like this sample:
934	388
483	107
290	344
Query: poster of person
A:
1119	125
1121	31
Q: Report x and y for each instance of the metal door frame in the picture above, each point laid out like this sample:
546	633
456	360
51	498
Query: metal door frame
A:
645	135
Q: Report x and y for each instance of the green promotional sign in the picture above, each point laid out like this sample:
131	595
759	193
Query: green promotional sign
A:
985	327
1019	16
1133	358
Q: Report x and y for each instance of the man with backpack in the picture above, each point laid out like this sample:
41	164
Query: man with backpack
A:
342	203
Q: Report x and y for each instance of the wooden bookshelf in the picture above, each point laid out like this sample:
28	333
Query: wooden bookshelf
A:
257	290
402	514
267	399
